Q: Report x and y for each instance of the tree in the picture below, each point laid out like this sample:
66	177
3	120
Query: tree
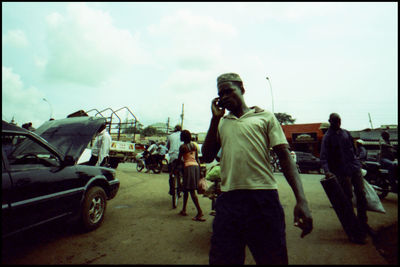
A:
149	131
284	118
131	129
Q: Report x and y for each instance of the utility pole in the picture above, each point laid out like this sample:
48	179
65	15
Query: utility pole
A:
370	121
167	125
272	96
182	116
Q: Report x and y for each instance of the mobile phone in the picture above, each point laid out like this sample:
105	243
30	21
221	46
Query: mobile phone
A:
219	103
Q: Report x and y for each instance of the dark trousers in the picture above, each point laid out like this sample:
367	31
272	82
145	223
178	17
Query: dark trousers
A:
248	217
93	161
174	165
355	180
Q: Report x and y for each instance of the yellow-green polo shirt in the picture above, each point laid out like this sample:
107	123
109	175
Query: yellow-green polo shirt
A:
245	143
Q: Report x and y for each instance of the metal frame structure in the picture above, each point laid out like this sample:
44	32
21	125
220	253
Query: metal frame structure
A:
118	124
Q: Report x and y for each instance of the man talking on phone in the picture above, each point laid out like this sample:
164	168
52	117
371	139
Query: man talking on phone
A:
248	212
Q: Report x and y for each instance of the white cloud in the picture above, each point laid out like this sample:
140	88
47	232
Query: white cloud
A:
16	38
193	46
185	24
245	13
191	54
54	19
24	104
303	11
85	47
191	40
40	62
164	56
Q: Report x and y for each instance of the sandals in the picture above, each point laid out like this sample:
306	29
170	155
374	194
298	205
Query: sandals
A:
199	219
196	218
182	213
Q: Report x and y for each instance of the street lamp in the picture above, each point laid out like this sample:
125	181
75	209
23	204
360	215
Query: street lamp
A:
51	109
272	97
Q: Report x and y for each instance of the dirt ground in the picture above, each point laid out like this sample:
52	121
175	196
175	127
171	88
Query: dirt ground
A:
140	227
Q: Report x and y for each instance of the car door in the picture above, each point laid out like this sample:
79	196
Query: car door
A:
6	187
41	188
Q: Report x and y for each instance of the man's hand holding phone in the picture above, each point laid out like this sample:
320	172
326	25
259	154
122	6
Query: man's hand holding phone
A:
216	108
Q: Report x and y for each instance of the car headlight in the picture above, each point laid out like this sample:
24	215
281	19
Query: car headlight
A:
109	174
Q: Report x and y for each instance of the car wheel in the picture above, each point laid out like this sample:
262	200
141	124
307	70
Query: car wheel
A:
94	207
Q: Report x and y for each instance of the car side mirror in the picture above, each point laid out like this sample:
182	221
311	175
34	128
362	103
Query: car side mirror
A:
68	161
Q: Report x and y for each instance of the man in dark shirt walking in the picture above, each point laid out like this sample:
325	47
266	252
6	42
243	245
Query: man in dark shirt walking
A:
338	157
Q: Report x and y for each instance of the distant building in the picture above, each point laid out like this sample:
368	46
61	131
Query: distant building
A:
305	137
308	137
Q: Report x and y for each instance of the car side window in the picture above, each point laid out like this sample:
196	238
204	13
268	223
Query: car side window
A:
22	150
10	142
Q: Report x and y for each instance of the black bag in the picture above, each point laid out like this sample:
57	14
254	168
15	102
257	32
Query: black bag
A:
343	208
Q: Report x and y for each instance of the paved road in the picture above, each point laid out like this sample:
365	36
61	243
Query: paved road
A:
140	227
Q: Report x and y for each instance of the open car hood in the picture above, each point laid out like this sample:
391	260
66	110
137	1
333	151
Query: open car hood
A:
72	135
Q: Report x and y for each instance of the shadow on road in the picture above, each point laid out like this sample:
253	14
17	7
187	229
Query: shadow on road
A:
18	245
386	243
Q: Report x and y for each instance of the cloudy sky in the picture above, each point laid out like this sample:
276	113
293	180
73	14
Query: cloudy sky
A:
320	58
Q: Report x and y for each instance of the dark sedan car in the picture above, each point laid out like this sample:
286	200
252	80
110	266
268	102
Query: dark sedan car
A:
308	162
42	182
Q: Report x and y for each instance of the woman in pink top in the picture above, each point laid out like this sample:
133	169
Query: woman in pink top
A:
191	173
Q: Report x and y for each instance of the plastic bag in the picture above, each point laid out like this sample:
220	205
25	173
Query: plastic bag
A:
214	173
202	186
373	201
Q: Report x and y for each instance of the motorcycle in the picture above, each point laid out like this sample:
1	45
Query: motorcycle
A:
379	178
156	162
140	162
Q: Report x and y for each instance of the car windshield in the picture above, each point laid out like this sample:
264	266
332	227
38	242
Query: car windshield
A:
23	146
